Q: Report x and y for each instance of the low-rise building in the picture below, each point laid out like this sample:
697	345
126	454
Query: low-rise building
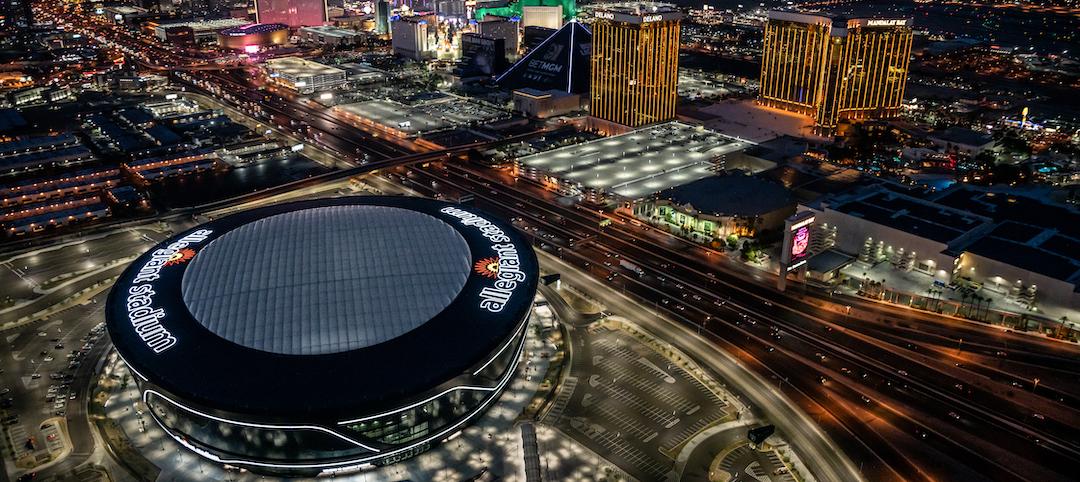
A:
632	165
1010	246
330	36
304	76
712	208
958	140
194	32
545	103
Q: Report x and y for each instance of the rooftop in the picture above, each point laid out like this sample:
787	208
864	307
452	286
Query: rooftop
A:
214	24
296	66
254	28
960	135
733	194
248	285
910	215
440	113
331	31
639	163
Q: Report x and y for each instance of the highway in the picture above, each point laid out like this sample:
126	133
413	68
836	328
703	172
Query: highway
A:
911	396
955	420
874	355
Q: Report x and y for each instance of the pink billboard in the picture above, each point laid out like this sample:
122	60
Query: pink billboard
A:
294	13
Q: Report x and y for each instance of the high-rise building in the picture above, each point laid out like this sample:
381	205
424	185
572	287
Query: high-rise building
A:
294	13
481	55
855	70
504	28
409	38
635	64
542	16
382	17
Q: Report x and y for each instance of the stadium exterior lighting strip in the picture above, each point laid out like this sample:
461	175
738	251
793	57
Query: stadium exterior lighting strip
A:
256	425
505	345
204	453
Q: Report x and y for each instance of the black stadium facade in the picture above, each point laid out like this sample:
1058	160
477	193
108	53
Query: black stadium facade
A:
325	336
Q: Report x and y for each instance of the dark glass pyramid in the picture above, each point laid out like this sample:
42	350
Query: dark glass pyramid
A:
559	63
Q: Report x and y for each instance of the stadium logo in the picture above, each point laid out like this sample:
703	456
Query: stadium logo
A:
488	267
180	257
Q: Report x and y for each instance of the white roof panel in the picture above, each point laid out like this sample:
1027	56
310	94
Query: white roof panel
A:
326	280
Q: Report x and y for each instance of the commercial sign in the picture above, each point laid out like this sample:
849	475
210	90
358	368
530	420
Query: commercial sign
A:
892	22
796	248
506	263
141	313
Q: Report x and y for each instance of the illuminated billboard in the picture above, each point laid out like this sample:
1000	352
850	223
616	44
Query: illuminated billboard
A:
797	240
294	13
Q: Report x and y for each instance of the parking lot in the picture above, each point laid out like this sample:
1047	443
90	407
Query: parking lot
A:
630	404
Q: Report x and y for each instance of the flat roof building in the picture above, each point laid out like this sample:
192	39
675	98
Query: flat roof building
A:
1022	248
715	207
327	35
197	31
404	120
304	76
632	165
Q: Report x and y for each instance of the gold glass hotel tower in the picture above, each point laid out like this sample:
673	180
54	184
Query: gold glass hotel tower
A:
635	64
854	71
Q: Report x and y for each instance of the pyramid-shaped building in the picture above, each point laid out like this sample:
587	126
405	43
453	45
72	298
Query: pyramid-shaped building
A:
559	63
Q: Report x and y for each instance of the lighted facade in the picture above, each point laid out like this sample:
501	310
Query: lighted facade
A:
828	72
294	13
635	65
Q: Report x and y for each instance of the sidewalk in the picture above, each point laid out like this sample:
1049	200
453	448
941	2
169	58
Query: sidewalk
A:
924	292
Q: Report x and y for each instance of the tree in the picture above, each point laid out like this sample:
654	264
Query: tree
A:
732	241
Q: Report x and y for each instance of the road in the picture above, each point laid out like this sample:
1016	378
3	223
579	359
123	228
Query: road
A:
927	415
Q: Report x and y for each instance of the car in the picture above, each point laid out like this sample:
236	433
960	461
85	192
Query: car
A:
823	380
48	359
1038	416
73	396
902	373
5	391
954	415
865	399
35	376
